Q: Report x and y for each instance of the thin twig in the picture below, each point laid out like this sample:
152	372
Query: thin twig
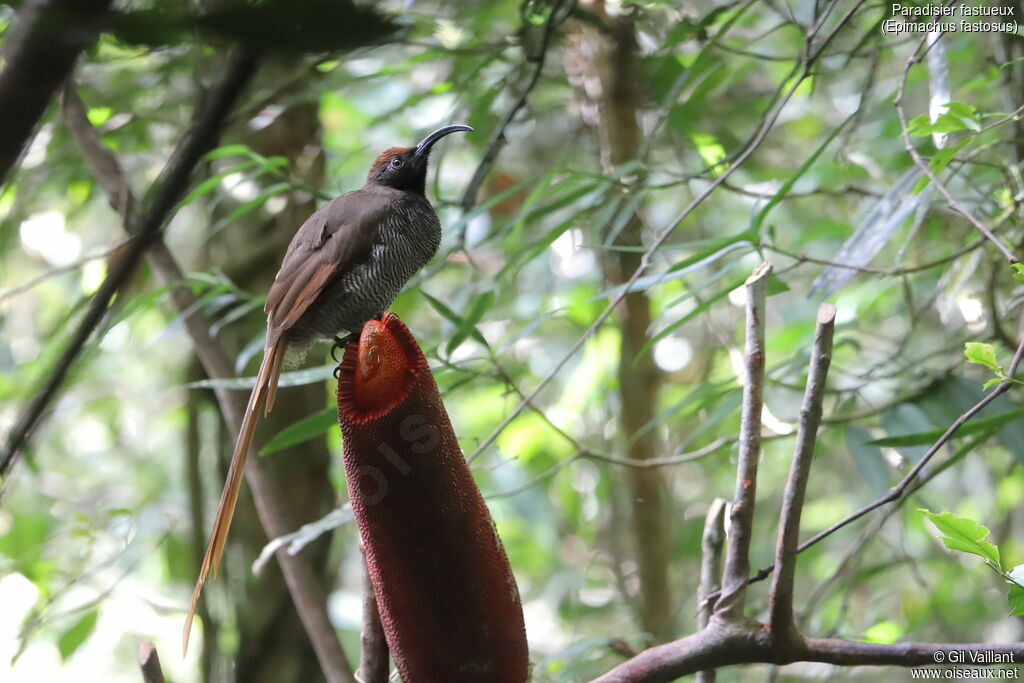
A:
582	452
680	459
741	513
551	471
497	140
926	168
781	595
168	190
766	124
883	271
149	662
43	277
373	658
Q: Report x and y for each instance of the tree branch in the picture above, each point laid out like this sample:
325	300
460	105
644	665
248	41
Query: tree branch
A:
40	52
149	662
741	519
781	595
303	584
373	658
710	568
727	639
722	644
898	491
167	191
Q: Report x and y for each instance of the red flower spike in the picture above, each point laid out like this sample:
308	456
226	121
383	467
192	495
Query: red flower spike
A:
447	597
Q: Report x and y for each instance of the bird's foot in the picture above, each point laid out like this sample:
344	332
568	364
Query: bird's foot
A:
339	345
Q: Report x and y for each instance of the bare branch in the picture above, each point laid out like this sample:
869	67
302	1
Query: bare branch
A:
75	265
721	645
781	595
168	190
149	662
41	49
373	660
897	492
104	164
303	583
741	517
710	568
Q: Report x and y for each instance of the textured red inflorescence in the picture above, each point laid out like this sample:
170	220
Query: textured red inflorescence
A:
447	597
378	373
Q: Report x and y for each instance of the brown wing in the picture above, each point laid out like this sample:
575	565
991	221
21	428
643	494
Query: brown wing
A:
339	235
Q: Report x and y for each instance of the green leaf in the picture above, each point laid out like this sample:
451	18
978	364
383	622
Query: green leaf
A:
775	285
480	306
958	116
978	424
982	354
884	632
965	535
213	181
1019	274
939	162
961	109
305	429
1015	598
452	317
920	126
259	200
98	115
227	151
965	114
71	639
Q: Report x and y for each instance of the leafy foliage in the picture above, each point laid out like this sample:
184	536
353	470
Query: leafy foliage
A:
968	536
98	512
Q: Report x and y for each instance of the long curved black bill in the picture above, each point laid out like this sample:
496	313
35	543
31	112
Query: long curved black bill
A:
426	143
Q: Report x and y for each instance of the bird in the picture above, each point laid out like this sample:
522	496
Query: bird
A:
344	266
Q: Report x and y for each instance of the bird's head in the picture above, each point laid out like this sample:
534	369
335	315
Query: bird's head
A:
405	168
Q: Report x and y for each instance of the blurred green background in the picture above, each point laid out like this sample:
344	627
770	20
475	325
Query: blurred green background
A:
622	114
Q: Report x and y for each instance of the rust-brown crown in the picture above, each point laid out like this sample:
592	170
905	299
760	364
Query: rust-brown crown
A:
384	159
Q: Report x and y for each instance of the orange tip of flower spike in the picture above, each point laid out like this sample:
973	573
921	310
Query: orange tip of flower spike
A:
378	371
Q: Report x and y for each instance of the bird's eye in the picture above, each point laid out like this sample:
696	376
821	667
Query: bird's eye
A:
396	162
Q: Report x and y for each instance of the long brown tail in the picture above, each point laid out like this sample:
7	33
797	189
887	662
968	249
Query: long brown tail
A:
261	400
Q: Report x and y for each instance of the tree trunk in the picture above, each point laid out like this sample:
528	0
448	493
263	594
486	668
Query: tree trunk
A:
612	82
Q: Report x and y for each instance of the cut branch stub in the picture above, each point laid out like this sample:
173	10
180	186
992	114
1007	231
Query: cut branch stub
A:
781	595
741	520
448	600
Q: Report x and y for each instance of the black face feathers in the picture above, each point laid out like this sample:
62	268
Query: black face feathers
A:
405	168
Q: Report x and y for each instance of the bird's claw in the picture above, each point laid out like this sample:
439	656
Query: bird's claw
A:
339	345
